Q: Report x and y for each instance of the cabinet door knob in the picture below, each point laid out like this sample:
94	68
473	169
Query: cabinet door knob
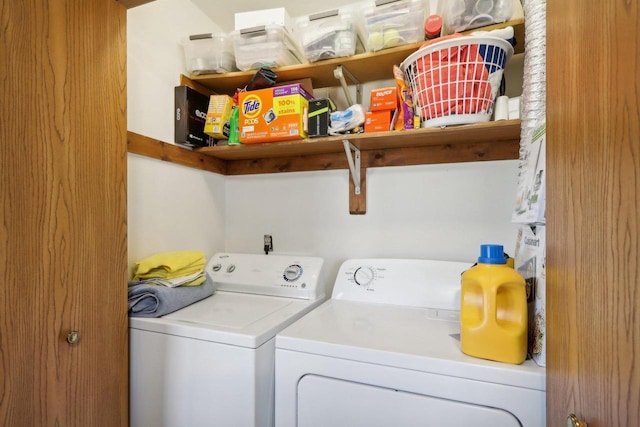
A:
573	421
73	337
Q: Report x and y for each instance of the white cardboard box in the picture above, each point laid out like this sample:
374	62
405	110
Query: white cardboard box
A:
531	195
530	261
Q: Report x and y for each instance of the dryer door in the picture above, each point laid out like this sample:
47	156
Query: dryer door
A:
326	401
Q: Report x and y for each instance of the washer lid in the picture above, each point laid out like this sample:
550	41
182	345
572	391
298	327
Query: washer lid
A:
230	318
420	339
230	311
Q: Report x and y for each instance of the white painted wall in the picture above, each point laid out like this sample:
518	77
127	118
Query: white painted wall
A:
432	211
436	212
170	207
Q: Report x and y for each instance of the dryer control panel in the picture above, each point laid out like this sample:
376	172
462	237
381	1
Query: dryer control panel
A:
406	282
276	275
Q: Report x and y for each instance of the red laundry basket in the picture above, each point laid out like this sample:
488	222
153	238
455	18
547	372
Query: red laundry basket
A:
455	81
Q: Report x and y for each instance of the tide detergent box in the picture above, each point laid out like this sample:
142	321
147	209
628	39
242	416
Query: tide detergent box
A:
274	114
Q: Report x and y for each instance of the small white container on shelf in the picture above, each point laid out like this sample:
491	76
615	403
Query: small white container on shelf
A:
209	54
265	46
389	23
325	35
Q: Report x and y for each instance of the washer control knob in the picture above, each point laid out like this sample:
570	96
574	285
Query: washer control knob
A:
231	268
292	273
363	276
216	267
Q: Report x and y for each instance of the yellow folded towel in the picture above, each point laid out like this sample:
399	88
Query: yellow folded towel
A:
169	265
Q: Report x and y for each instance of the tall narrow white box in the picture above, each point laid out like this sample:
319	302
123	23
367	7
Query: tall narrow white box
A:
530	261
531	194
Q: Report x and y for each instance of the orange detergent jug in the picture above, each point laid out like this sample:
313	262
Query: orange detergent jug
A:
493	309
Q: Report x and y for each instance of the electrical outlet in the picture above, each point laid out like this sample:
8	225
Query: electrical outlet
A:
268	244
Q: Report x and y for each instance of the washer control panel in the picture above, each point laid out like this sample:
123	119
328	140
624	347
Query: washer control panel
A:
364	275
417	283
276	275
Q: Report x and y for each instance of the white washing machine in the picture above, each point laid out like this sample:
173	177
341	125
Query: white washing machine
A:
385	351
212	363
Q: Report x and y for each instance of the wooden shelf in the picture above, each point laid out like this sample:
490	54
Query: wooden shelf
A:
466	143
365	67
457	142
451	137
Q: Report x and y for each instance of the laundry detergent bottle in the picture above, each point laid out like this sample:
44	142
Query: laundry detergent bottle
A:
493	309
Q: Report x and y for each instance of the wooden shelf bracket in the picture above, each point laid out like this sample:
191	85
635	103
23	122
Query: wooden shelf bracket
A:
339	74
354	164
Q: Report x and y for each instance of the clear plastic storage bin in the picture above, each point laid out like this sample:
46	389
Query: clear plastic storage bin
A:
389	23
209	54
325	35
265	46
461	15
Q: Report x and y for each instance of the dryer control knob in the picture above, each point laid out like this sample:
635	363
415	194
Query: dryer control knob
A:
292	273
363	276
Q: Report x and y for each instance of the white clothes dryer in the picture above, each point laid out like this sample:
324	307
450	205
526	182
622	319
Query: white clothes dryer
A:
385	351
212	363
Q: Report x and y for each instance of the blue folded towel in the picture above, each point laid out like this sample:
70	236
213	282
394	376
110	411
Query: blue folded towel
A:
146	300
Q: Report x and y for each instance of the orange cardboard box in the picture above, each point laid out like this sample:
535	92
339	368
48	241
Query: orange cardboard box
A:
273	114
377	121
383	99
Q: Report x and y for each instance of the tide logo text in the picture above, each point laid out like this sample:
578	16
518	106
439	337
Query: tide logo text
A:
251	106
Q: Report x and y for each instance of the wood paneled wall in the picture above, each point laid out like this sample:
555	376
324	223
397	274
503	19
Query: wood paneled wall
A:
593	212
63	263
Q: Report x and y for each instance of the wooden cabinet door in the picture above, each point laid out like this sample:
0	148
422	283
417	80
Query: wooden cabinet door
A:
63	213
593	212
